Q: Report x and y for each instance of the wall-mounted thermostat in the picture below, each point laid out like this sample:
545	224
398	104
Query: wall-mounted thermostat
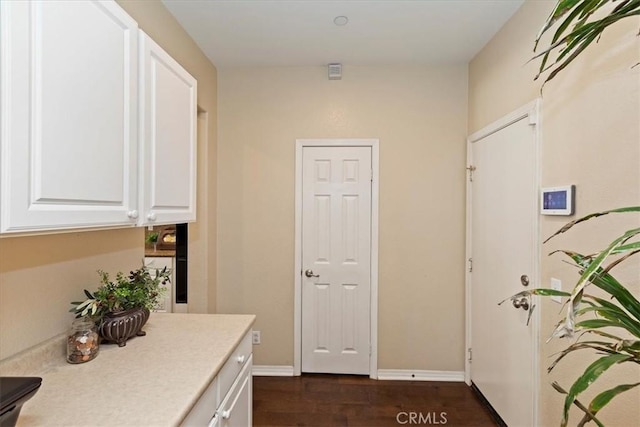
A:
558	200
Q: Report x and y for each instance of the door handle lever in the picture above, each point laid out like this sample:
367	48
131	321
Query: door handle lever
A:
309	273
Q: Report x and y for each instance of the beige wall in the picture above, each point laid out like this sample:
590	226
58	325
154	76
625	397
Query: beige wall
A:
40	275
419	115
590	138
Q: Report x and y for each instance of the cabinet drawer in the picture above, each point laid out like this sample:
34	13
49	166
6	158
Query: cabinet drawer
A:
233	366
205	408
236	409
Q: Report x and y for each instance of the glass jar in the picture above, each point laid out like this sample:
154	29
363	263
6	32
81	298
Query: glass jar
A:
83	341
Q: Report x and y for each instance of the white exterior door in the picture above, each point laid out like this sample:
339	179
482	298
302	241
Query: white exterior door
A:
69	115
336	259
167	137
504	248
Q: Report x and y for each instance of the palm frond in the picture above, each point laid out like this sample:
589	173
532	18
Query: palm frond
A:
576	30
583	382
570	225
576	402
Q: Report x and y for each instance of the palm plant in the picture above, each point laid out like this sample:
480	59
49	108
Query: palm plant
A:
577	29
610	325
619	313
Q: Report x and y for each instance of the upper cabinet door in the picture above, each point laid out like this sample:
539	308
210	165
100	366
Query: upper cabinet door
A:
167	138
69	115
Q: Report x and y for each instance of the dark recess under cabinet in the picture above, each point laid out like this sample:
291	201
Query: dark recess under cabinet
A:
182	243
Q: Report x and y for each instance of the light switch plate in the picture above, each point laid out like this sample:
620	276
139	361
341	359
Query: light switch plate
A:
556	284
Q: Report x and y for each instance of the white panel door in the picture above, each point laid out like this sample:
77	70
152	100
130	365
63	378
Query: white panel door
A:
336	259
504	248
69	115
167	138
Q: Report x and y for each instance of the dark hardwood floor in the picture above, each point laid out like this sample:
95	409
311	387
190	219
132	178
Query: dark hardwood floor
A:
347	400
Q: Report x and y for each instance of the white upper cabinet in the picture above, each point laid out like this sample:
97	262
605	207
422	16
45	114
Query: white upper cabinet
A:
168	115
69	104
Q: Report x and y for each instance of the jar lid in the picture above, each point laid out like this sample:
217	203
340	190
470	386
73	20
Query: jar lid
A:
83	322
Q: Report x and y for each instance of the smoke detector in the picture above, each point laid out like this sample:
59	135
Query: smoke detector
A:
341	20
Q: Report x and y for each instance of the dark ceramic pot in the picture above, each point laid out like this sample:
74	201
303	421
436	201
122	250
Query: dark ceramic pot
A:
119	326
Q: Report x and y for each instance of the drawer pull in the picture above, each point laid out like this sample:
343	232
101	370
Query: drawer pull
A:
226	414
241	359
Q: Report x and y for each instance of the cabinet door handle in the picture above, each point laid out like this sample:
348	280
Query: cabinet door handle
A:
226	414
132	214
151	216
241	359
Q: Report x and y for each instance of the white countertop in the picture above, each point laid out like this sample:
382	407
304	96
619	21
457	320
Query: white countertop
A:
153	381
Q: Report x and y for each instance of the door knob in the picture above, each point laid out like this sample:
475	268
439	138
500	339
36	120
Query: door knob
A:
151	216
524	279
132	214
309	273
521	303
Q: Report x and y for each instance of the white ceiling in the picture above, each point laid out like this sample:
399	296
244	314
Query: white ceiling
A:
302	32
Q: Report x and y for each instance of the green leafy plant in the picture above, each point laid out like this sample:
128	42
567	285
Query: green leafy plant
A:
579	23
152	237
587	315
139	289
607	323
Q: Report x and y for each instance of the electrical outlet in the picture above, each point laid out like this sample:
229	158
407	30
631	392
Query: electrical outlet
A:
255	337
556	284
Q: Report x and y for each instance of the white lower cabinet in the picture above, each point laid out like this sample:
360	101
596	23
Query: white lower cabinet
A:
235	410
228	401
215	421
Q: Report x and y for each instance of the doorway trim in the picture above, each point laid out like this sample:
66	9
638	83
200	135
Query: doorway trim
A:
297	322
532	112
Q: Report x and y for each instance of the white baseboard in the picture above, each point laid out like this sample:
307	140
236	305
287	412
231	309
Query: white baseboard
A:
383	374
411	375
272	371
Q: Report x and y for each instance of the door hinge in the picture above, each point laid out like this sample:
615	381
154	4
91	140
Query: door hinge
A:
470	265
471	168
371	175
470	358
369	349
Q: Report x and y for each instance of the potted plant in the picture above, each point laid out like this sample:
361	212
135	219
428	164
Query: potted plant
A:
121	307
152	239
588	314
606	321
